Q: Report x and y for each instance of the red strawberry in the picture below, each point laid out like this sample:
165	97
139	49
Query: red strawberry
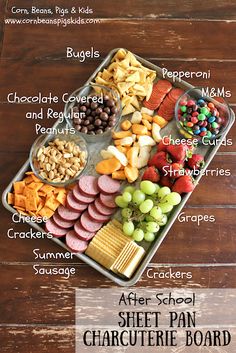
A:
196	161
176	170
183	184
162	146
151	174
160	160
177	152
166	181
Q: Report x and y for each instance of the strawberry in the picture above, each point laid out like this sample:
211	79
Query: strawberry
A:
166	181
196	161
162	146
160	160
177	152
183	184
176	170
151	174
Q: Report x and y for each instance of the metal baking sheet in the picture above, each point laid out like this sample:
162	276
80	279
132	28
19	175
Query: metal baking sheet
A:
170	129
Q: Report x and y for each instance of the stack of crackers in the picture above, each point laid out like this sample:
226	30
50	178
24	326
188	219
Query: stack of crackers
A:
34	198
112	249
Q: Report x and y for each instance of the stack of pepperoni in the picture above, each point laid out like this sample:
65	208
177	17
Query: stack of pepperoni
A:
163	99
90	204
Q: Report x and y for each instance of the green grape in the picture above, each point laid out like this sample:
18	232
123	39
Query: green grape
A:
157	188
130	189
165	207
147	187
149	236
128	228
173	198
126	212
152	227
148	218
162	192
146	206
120	202
138	197
156	212
127	197
163	221
138	234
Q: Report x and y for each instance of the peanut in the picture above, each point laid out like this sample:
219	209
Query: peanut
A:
60	160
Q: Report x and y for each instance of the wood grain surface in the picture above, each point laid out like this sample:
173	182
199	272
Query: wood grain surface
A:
37	312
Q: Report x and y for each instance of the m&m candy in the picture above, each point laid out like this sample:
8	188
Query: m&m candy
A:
200	118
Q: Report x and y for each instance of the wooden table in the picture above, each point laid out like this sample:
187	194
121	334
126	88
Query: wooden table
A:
37	312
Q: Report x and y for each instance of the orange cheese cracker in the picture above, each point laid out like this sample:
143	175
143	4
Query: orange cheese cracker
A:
47	189
52	203
35	186
29	172
31	201
20	200
10	198
18	187
33	197
40	205
28	179
61	197
36	179
18	208
46	212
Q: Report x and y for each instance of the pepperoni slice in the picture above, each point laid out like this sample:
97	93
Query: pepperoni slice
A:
163	86
150	106
97	216
82	233
108	200
74	243
75	205
54	229
176	93
108	185
81	197
88	184
61	222
89	224
67	214
106	211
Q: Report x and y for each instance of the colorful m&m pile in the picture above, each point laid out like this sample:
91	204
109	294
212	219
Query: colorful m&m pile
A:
200	118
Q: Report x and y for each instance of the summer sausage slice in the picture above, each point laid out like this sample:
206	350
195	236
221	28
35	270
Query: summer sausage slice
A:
74	243
67	214
89	224
75	205
81	197
54	229
82	233
104	210
108	185
97	216
89	185
108	200
61	222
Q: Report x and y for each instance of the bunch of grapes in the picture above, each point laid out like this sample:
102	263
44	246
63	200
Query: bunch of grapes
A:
146	209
